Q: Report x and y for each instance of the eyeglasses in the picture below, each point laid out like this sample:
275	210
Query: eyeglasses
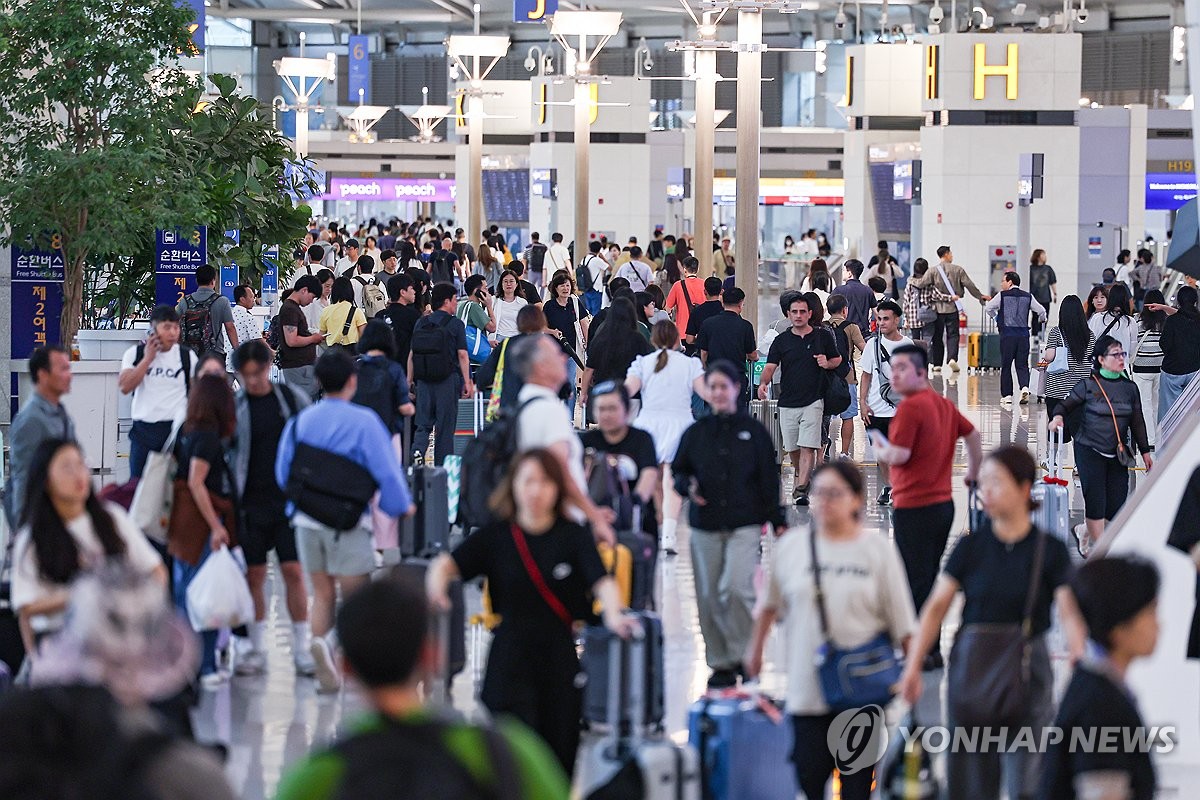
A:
1116	354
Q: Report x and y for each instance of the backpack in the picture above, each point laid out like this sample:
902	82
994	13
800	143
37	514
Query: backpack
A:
434	350
484	462
195	326
377	389
440	270
583	275
410	760
274	336
537	256
373	298
185	358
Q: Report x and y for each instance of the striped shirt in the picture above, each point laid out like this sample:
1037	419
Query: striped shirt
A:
1149	356
1060	384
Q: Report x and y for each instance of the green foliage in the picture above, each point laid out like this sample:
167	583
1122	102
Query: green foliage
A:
237	158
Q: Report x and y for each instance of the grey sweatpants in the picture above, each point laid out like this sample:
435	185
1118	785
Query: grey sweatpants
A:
723	564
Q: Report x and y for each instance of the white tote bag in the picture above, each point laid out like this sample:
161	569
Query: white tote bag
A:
155	492
218	596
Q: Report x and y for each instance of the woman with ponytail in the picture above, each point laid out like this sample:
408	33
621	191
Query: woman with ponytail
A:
666	378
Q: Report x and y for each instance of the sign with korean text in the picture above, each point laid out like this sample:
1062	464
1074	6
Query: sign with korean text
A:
177	254
270	278
229	272
37	299
533	10
360	71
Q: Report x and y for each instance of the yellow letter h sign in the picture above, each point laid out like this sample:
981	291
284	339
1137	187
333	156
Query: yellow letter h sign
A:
1007	70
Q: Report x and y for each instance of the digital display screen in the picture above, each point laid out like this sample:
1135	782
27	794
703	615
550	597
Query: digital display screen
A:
1168	191
506	195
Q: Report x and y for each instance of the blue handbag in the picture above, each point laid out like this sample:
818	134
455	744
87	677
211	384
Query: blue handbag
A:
478	346
857	676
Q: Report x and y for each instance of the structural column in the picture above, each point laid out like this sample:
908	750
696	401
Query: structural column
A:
702	177
583	136
749	103
475	221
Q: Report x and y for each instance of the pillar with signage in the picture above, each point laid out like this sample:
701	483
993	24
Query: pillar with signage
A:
178	252
619	167
882	101
37	300
989	98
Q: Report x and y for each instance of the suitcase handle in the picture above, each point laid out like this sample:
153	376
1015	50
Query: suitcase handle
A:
1054	457
617	670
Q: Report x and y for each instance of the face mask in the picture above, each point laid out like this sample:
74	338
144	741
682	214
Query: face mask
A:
1107	373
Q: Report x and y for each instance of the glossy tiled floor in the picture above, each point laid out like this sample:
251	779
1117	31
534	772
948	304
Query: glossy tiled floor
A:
269	722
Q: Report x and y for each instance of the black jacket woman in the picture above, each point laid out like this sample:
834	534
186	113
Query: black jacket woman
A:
543	572
994	568
1180	343
613	347
1073	333
1112	416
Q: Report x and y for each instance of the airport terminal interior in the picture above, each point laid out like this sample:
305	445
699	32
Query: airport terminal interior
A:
326	190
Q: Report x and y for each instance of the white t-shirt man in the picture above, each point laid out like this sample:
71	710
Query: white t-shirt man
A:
638	273
545	422
880	370
557	257
30	586
162	394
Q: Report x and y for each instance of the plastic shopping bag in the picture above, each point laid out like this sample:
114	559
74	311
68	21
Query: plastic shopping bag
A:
219	597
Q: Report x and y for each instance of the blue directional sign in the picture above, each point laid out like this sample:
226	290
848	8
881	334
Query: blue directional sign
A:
37	299
178	252
360	70
533	10
270	278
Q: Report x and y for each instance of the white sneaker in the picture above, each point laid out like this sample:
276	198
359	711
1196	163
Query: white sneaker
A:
1024	394
1007	400
251	663
213	681
953	365
326	669
670	543
305	666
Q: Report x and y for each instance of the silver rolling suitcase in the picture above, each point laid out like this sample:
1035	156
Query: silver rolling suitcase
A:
767	412
625	763
1052	495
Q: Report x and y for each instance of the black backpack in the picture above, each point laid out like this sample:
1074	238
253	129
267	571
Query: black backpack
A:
195	325
185	359
440	269
484	462
583	275
410	760
377	390
434	350
537	256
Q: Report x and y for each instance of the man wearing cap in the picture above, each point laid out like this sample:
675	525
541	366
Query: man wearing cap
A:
348	264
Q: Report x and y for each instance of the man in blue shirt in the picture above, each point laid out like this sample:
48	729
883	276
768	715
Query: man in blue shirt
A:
859	298
334	558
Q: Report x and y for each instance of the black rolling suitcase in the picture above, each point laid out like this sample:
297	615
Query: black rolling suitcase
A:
455	622
427	532
597	641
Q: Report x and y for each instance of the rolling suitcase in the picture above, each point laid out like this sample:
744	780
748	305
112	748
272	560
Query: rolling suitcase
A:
452	626
607	486
597	642
618	561
1053	496
469	421
643	551
745	746
427	532
767	412
626	763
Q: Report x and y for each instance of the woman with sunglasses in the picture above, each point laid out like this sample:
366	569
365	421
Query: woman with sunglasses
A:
1112	416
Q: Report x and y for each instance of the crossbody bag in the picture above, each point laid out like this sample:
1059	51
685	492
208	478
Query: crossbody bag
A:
856	676
539	581
1124	455
990	681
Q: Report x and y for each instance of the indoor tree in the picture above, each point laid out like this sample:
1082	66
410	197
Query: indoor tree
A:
84	132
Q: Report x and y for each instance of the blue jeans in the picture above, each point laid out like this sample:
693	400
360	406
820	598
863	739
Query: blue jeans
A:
145	438
572	370
1169	388
592	301
182	574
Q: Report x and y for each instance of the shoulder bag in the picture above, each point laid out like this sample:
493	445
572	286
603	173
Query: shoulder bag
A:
1124	455
539	581
885	384
989	675
836	396
856	676
1062	355
329	487
154	496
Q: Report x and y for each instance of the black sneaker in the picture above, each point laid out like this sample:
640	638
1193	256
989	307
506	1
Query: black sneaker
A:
722	679
885	497
801	495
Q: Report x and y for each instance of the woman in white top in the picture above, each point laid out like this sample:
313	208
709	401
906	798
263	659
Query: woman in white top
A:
666	378
506	304
373	250
865	594
1117	320
66	530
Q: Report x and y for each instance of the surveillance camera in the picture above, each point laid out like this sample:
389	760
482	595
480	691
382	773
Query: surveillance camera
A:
1081	16
936	15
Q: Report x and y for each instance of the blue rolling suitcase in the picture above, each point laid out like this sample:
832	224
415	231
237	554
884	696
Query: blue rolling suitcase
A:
744	753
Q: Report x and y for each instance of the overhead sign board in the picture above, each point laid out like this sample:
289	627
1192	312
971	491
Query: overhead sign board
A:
1168	192
428	190
533	10
785	191
177	254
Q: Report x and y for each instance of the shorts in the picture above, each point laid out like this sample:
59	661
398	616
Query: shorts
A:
266	530
801	427
852	411
340	553
881	424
